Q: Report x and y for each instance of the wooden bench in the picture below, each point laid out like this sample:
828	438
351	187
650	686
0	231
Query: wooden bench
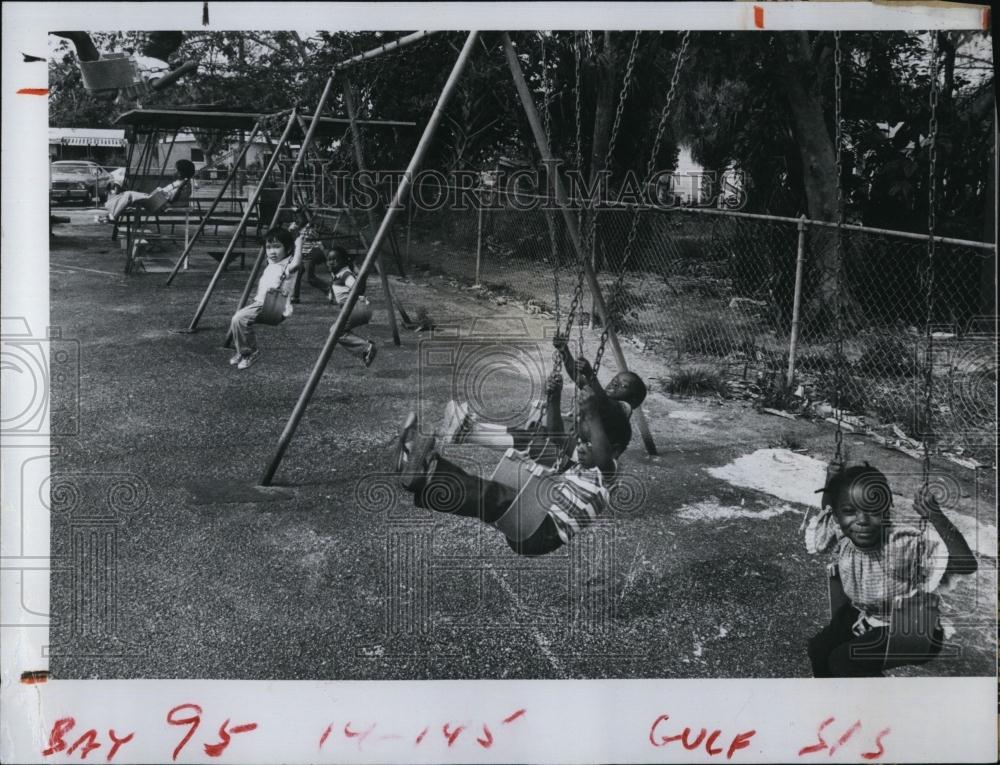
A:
182	223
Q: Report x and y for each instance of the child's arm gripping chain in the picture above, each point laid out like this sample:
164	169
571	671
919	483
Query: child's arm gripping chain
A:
961	559
296	264
562	345
553	412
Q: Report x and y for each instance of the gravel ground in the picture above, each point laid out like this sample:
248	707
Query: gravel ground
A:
336	575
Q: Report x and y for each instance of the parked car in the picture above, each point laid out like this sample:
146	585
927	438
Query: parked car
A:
78	181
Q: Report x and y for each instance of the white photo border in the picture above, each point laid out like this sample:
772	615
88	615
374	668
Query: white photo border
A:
898	719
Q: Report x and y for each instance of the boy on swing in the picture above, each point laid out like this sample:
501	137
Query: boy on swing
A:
889	574
624	393
284	258
345	275
572	500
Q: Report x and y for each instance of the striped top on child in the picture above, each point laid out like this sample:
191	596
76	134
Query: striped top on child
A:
577	499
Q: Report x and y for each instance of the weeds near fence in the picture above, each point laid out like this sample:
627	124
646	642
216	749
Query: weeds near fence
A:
696	381
887	357
717	290
716	337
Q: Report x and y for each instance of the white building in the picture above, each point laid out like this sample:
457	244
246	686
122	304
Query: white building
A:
186	146
100	145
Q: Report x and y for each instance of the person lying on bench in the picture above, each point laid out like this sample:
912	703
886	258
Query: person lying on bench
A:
176	193
569	501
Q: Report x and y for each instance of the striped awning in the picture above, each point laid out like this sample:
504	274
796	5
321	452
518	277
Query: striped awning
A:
119	142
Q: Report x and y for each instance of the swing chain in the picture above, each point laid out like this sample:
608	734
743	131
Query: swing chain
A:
578	289
931	223
650	167
590	232
620	109
838	305
613	139
550	222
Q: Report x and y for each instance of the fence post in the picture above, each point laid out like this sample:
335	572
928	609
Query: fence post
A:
479	237
797	300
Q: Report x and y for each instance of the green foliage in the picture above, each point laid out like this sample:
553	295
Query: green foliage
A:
887	357
730	105
696	381
716	337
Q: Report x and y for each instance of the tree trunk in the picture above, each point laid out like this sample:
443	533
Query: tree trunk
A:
801	85
604	115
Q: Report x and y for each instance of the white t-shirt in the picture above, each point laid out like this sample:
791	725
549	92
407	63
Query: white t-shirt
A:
272	278
342	284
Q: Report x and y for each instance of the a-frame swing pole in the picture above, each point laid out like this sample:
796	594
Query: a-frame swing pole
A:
380	235
215	203
359	159
248	210
391	304
306	143
136	218
562	199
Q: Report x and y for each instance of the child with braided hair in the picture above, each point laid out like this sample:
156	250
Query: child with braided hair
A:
889	572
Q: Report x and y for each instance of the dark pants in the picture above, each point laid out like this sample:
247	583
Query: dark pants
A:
452	490
837	652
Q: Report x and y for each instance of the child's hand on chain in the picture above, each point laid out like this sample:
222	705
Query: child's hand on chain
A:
553	386
584	372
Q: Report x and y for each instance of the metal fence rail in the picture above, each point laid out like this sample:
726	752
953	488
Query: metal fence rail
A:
715	290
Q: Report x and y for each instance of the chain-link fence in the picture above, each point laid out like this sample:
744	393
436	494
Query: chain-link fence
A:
713	292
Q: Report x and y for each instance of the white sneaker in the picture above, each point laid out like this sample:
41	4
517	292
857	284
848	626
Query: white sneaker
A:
236	359
248	361
456	423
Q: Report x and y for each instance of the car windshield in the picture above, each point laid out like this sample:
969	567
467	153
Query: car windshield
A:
72	169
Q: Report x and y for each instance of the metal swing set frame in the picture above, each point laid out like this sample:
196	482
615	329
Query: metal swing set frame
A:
382	232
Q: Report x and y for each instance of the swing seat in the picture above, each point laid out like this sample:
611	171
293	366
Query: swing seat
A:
534	484
272	312
835	589
157	202
110	72
912	623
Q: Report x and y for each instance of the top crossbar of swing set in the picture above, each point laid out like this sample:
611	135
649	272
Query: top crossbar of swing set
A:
180	119
401	42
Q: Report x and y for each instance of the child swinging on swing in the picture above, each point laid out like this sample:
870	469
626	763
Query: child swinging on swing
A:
568	501
624	393
284	258
889	573
345	275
